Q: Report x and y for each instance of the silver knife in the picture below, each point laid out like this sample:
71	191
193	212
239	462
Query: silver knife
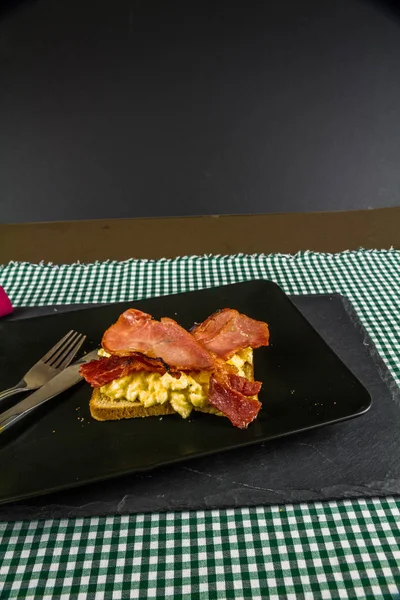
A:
61	382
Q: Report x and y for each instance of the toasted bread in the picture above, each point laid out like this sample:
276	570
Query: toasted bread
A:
104	408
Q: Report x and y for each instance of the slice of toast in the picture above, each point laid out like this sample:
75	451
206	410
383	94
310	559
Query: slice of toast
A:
104	408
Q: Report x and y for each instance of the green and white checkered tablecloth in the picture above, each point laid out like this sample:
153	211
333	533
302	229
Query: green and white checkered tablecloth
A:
347	549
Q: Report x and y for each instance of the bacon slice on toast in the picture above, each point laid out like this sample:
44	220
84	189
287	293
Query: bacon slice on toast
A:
239	409
106	369
227	331
136	331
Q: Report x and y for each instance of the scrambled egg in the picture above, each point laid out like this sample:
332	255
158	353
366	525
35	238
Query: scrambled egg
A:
185	393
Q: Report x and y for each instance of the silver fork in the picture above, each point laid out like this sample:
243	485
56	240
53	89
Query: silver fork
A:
56	359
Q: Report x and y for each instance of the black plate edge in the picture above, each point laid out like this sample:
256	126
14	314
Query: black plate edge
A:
19	312
186	459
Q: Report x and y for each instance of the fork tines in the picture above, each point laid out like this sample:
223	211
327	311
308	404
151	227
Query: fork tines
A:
61	354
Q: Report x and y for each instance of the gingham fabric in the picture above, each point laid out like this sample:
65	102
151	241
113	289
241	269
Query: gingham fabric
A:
327	550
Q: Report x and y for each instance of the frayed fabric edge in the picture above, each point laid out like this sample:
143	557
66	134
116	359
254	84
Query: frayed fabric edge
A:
225	257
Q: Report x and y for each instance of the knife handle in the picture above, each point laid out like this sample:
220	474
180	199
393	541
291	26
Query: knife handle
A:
7	420
6	423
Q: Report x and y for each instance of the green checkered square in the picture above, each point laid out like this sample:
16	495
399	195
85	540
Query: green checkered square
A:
329	550
321	550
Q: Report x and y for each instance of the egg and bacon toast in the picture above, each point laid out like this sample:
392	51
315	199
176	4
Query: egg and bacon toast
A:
153	368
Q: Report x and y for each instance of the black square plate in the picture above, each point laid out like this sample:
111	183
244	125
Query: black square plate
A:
305	385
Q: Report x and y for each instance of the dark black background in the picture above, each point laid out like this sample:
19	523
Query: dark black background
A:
133	108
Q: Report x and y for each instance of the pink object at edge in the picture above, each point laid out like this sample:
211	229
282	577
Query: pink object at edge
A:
5	304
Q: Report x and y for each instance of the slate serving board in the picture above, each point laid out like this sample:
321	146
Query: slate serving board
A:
360	457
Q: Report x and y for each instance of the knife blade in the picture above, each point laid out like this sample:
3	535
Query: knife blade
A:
61	382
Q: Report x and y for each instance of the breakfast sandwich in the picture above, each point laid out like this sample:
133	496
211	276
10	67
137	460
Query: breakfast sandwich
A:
153	368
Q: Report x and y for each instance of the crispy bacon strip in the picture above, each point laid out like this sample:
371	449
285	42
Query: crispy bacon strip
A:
227	331
104	370
227	376
136	331
239	409
244	386
229	393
